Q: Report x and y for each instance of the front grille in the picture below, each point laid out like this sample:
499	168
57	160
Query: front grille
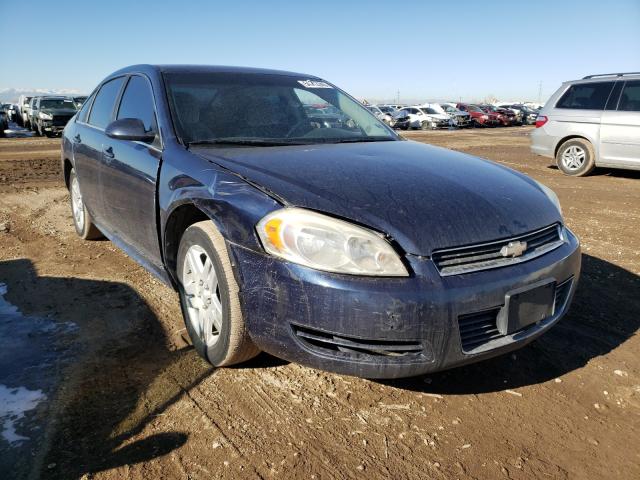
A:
484	256
562	295
60	120
479	328
348	346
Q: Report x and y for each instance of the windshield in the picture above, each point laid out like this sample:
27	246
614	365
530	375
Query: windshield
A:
387	109
266	109
474	108
430	111
57	103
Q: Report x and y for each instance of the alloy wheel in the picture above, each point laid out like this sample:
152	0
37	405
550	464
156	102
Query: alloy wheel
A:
573	158
202	292
76	203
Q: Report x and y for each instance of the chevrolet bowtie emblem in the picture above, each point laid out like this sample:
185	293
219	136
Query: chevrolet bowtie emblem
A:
513	249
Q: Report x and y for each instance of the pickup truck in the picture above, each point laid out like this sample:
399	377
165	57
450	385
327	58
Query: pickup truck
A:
338	245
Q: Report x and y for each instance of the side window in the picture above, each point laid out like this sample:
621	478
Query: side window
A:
630	98
102	109
612	103
586	96
137	102
84	111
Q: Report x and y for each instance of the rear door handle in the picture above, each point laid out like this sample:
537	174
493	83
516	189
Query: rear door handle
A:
108	152
77	139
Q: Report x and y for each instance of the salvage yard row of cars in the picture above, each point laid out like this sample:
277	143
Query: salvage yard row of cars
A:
46	115
430	116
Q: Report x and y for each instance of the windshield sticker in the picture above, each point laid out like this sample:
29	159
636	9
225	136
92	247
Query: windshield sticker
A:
314	84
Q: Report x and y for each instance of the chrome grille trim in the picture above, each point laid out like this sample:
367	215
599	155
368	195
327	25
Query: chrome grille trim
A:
485	256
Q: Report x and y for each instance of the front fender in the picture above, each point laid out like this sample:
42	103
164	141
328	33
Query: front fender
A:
231	203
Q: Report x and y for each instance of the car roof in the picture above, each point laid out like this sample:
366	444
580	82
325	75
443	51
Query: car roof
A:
612	77
205	69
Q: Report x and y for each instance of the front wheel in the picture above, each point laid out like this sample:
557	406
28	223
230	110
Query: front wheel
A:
576	157
209	297
81	217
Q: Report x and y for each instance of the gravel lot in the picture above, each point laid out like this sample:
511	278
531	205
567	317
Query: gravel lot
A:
128	398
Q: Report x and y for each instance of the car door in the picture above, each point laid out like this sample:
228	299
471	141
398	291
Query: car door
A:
620	128
87	148
130	175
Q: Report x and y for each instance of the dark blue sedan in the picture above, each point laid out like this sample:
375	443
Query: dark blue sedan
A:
291	220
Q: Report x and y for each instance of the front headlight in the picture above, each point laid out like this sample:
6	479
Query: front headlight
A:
551	195
325	243
45	116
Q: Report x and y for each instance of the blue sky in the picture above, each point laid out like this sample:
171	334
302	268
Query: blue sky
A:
372	49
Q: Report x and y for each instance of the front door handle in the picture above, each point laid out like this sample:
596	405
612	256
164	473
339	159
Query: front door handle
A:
77	139
108	152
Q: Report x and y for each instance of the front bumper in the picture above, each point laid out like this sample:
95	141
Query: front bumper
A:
365	326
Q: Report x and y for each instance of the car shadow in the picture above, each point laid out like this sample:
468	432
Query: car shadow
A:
605	312
119	375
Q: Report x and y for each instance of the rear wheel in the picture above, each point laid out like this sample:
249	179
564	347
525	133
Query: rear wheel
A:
576	157
209	297
81	217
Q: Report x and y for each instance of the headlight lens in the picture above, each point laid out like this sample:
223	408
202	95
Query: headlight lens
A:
325	243
552	196
45	116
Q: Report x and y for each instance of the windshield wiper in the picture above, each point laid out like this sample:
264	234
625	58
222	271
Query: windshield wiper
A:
358	139
252	142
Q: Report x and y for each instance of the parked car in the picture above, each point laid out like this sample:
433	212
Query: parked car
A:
424	118
463	119
591	122
479	116
23	114
4	122
32	113
12	112
527	115
79	101
346	249
51	114
380	115
506	117
386	109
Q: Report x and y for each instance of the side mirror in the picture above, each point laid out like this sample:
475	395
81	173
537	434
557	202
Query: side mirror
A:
129	129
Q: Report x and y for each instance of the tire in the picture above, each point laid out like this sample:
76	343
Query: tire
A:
425	125
208	287
81	217
575	157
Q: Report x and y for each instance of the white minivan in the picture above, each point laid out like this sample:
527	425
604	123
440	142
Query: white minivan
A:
590	123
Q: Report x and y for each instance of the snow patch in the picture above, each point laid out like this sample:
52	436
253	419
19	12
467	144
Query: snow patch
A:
14	402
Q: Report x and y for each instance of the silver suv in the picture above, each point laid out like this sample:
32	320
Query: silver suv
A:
591	122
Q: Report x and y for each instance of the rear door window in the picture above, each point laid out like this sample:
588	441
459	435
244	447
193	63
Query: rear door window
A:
102	109
586	96
630	98
84	111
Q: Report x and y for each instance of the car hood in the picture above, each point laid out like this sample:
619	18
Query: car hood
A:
424	197
59	111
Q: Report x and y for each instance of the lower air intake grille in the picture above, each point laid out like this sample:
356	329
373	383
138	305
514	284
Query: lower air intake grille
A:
454	261
340	344
562	295
479	328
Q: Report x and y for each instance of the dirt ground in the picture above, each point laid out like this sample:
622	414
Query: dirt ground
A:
136	402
